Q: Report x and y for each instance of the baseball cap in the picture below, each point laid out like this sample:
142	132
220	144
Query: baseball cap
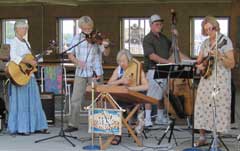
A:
155	18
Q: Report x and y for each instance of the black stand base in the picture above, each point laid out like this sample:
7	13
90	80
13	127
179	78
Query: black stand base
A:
171	128
61	134
143	133
219	138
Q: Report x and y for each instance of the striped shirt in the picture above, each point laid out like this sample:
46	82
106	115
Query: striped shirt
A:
89	53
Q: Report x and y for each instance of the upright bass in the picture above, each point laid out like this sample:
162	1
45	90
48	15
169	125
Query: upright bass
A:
180	92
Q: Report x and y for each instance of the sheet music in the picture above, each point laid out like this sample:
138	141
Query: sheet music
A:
184	62
183	70
188	62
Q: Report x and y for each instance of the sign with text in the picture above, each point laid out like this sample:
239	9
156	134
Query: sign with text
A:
105	121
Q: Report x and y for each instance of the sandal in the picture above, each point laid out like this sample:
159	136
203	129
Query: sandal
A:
200	143
116	140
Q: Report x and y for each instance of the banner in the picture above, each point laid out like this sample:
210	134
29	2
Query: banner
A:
105	121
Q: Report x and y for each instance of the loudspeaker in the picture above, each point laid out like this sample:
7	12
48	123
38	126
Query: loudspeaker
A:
48	106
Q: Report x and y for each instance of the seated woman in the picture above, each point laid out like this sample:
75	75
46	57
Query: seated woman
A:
118	78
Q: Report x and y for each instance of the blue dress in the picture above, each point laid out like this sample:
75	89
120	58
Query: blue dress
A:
25	109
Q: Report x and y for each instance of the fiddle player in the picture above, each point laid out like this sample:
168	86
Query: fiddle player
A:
118	78
87	57
219	80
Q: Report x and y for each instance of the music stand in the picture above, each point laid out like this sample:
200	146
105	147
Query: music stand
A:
167	71
61	132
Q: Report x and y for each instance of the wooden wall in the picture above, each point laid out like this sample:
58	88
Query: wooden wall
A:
43	19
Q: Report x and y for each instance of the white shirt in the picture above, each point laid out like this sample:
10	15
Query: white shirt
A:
18	49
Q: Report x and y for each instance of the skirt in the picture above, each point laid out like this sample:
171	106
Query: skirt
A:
26	114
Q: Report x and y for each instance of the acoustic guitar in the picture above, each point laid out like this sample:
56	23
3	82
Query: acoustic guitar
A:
20	74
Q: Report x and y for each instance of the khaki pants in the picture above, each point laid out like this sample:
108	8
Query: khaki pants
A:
78	96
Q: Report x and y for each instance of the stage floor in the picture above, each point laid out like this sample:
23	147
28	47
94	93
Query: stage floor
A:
183	138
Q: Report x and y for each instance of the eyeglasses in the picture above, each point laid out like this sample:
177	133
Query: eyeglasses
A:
209	29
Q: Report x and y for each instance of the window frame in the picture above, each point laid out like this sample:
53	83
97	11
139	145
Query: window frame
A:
122	30
192	34
59	35
3	27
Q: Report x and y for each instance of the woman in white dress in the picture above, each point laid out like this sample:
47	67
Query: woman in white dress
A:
206	105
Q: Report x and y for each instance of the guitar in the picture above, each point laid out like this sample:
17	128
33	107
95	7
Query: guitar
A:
20	74
208	62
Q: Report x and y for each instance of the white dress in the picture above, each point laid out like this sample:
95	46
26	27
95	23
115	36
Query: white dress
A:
206	104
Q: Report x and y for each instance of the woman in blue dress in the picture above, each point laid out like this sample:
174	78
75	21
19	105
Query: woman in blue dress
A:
25	109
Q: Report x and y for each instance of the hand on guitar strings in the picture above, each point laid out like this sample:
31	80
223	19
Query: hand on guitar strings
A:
201	67
216	52
32	62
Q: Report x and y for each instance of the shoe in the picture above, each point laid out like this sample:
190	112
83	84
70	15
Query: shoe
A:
161	120
116	140
23	134
70	129
147	123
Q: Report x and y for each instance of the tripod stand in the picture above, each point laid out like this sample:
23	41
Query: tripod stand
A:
171	128
61	132
173	71
213	143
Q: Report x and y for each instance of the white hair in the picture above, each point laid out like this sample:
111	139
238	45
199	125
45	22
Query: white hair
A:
124	52
85	20
20	23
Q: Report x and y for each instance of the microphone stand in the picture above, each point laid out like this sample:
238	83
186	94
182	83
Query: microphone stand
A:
214	144
62	133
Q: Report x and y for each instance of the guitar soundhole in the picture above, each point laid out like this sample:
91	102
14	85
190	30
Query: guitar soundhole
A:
29	65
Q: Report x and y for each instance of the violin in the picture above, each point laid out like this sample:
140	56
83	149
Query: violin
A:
95	37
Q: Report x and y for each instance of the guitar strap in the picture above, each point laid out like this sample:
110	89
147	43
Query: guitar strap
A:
29	48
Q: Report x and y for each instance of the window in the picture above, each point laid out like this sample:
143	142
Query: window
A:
133	31
8	30
196	32
68	28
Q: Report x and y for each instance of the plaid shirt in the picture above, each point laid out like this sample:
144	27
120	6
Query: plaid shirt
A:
91	54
